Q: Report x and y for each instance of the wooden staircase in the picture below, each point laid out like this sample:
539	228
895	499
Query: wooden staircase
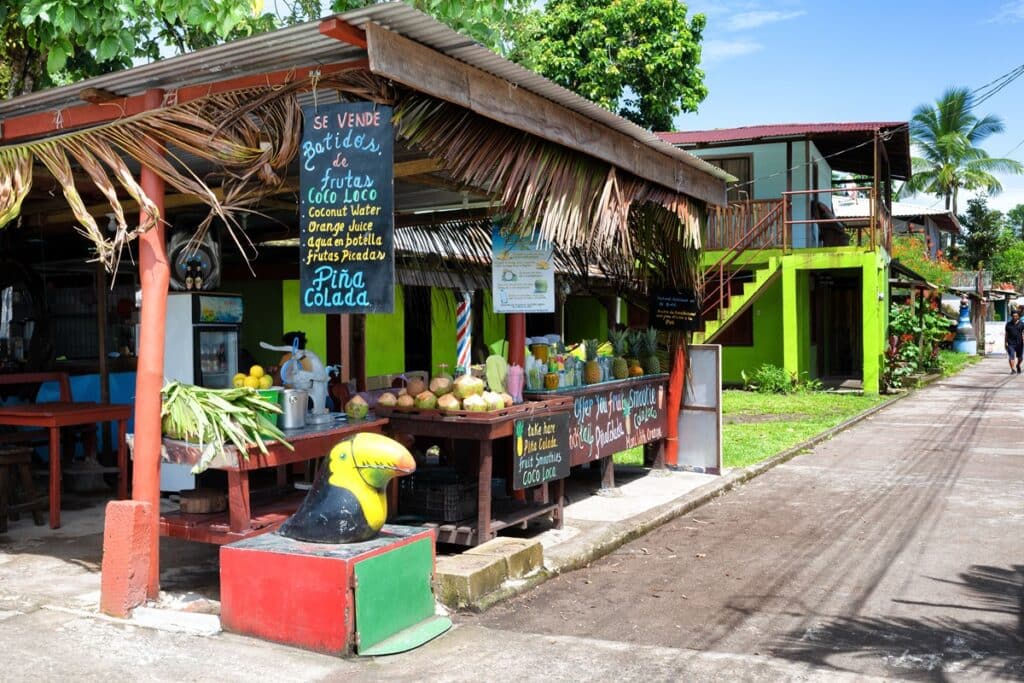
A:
742	274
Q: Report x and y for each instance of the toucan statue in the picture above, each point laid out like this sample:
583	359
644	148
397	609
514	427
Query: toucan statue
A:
347	503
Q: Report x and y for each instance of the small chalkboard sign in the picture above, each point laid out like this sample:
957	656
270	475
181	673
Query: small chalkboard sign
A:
346	209
675	310
541	450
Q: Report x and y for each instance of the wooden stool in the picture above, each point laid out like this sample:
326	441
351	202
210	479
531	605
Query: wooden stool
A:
20	458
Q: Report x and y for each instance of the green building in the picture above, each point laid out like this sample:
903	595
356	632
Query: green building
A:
786	282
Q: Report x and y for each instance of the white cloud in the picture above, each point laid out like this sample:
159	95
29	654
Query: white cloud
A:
744	21
718	50
1010	11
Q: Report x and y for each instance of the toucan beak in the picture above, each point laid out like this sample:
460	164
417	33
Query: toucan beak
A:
405	464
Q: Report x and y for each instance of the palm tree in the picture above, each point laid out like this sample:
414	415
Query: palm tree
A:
947	136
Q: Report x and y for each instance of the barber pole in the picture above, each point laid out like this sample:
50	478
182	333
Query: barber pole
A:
464	331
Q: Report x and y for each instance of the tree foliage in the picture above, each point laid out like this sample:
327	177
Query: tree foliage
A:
51	42
948	135
638	58
1015	219
986	235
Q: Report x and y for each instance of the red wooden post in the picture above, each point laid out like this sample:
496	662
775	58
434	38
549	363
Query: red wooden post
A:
676	386
515	328
154	276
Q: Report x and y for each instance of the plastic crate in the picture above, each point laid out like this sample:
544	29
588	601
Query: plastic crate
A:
437	494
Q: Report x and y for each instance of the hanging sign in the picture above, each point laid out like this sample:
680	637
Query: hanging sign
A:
346	209
675	310
541	450
522	274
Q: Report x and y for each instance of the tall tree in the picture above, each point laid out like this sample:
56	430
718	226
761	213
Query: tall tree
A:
948	135
986	234
636	57
1015	218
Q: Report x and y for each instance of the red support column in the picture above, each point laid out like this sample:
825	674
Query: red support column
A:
676	387
154	276
515	328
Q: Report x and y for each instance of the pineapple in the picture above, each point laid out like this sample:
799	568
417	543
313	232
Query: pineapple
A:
620	368
635	346
649	359
635	370
592	370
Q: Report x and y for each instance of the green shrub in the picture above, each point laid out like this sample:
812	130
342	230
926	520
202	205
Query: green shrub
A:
768	379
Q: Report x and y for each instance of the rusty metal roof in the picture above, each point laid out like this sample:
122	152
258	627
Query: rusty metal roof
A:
304	45
777	130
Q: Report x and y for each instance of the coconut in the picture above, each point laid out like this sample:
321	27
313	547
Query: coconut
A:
475	403
449	403
402	392
387	399
467	386
426	400
507	398
356	408
493	400
416	386
405	401
440	386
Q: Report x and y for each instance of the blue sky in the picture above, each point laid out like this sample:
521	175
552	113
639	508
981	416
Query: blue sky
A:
793	61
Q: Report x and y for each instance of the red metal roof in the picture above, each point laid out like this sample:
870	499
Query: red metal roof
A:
778	130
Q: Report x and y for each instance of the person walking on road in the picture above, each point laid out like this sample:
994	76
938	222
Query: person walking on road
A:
1015	341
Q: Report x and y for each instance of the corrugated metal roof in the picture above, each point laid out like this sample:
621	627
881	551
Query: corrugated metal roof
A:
303	45
860	207
779	130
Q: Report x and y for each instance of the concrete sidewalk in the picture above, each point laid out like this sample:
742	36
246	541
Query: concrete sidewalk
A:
49	592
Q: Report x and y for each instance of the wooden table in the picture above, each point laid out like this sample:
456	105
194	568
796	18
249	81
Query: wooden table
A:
54	416
609	417
483	432
242	520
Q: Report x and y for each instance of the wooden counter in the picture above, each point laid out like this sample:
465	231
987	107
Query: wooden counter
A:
242	520
483	431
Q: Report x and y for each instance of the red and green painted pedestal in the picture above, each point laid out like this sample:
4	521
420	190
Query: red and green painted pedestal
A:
370	598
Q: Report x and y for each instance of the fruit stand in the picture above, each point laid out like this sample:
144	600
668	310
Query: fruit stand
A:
485	435
609	417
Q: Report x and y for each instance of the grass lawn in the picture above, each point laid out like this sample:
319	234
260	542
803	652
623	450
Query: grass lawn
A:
951	362
757	426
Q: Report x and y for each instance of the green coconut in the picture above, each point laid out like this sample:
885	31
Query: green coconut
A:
426	400
449	403
416	386
440	386
387	399
475	403
493	400
507	398
356	408
405	401
467	386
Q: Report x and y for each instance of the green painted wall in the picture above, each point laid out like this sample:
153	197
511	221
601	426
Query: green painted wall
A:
442	336
385	339
262	319
767	348
782	315
315	326
585	318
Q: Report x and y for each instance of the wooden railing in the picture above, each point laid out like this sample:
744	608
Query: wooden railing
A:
728	225
718	278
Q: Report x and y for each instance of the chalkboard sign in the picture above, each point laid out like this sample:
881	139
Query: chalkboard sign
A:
607	421
675	310
541	450
346	209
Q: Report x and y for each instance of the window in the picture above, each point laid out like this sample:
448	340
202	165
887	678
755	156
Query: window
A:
741	167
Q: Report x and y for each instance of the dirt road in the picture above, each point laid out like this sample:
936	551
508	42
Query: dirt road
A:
896	550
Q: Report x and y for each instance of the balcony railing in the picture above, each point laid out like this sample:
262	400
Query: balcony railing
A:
730	226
